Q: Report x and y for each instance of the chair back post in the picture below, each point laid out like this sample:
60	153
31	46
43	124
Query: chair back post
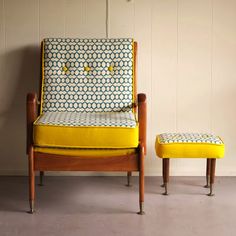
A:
31	115
134	75
142	119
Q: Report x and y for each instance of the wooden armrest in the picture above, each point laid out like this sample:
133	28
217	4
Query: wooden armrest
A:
142	119
31	115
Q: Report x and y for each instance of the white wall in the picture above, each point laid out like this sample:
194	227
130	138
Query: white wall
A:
186	66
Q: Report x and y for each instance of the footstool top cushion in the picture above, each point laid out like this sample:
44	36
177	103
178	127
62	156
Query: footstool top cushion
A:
189	145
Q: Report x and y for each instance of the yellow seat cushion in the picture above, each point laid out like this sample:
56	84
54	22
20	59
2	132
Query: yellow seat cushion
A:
189	145
81	152
86	130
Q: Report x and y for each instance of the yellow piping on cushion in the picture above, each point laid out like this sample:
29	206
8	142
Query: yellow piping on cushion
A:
42	84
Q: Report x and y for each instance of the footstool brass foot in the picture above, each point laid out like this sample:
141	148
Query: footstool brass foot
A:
31	211
141	206
211	191
166	191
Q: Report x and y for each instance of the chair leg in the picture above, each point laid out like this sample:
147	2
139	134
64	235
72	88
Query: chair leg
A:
41	175
31	181
208	170
212	176
129	174
141	181
165	172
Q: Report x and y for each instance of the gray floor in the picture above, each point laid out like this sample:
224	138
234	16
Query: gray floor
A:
104	206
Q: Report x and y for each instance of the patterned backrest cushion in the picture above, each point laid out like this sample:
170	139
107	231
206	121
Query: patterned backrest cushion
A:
87	75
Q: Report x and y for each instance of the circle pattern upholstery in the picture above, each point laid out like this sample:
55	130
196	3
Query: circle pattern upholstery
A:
95	90
166	138
88	119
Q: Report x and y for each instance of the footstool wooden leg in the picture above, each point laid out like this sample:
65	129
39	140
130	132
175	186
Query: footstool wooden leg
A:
165	169
212	176
208	169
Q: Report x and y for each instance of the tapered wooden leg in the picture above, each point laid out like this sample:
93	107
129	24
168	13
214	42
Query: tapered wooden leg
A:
208	169
129	174
163	164
165	169
141	180
31	180
41	175
212	176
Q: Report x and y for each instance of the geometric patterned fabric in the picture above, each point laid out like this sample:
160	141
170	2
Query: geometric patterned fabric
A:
87	75
86	130
166	138
109	119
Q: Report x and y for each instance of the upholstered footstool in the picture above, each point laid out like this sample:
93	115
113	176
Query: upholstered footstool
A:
189	145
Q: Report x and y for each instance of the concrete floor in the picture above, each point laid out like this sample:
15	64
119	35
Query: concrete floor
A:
104	206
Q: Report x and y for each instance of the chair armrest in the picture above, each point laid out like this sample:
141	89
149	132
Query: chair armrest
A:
31	115
142	119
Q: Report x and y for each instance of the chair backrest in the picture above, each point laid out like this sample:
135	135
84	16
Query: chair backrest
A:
87	75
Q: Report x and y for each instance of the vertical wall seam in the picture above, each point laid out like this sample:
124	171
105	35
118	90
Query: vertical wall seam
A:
4	37
177	65
64	12
211	86
133	19
151	84
83	16
4	27
39	33
107	18
151	60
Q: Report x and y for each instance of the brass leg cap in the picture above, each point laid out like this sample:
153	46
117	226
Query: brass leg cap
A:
31	211
141	213
141	206
211	191
166	191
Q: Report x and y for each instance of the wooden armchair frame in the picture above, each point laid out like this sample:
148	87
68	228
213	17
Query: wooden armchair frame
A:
52	162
